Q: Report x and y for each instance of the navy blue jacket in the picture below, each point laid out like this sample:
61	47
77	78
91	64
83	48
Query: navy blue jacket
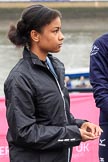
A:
99	75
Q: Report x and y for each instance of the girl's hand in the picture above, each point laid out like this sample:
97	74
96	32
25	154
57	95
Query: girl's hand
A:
87	135
92	128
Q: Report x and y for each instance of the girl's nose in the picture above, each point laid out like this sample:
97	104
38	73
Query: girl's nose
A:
61	37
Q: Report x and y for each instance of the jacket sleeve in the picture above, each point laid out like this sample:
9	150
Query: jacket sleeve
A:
22	121
99	72
77	122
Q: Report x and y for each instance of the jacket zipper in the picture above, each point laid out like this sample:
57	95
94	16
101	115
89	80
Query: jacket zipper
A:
63	103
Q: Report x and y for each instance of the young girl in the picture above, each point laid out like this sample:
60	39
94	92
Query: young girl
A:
41	128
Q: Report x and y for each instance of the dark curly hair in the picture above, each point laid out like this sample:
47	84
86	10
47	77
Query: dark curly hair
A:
33	18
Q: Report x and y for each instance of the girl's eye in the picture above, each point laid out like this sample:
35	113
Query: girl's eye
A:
55	31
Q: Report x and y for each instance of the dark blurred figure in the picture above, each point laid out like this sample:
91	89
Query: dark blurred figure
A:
68	82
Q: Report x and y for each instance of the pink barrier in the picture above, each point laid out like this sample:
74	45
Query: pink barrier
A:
3	129
83	107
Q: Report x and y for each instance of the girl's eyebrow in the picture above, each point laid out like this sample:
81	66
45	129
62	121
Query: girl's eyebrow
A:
57	27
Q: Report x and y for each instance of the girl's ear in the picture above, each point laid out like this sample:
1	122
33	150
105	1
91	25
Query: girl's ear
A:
34	35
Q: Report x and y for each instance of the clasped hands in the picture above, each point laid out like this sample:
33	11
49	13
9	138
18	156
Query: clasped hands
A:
90	131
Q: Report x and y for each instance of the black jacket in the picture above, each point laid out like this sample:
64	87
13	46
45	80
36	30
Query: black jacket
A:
41	128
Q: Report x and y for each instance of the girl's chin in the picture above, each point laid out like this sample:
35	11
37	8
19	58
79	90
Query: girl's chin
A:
57	50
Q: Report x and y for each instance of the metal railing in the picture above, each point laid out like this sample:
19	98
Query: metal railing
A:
84	90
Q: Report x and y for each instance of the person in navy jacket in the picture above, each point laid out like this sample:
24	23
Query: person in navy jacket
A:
99	82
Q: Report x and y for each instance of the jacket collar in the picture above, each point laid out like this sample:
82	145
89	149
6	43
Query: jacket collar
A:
34	58
58	65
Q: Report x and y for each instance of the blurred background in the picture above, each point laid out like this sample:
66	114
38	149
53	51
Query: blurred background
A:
82	23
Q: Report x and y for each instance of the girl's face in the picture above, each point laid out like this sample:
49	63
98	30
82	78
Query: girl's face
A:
51	37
